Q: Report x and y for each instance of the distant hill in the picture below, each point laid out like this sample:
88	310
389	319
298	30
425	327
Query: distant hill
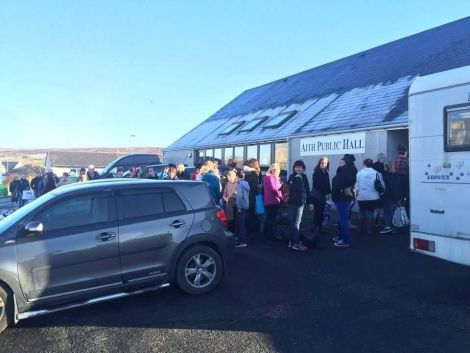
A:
156	150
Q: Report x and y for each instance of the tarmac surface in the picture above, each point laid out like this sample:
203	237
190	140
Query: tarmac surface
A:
376	296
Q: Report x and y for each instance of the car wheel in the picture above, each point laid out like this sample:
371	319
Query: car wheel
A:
199	270
6	309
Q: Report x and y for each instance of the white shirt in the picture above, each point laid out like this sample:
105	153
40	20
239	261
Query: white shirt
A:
365	189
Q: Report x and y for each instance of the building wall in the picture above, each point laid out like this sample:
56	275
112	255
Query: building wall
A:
376	142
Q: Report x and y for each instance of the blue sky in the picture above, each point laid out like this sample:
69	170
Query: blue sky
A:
90	73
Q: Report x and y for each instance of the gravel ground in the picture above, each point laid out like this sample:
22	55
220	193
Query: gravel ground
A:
376	296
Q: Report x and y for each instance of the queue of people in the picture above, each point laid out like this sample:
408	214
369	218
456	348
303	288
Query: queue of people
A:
253	201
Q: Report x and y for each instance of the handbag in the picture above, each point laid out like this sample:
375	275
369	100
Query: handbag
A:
28	195
259	205
400	218
378	185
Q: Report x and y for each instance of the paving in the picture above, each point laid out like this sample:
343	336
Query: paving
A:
376	296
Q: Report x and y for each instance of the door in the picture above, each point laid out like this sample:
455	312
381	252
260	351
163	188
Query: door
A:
78	250
152	223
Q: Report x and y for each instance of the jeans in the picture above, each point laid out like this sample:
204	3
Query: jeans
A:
270	228
389	210
241	222
366	211
342	212
297	212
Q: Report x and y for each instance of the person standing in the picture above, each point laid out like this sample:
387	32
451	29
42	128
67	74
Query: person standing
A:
321	189
23	185
367	195
243	204
50	182
342	195
92	174
209	176
298	189
181	172
64	180
197	171
272	198
403	171
12	188
229	197
379	165
391	196
82	175
254	179
37	184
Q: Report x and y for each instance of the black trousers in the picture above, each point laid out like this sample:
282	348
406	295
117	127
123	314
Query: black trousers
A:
318	214
270	223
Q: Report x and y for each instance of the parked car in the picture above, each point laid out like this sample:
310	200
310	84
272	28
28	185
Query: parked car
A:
138	160
90	242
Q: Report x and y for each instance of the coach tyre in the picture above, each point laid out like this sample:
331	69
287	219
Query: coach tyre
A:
199	270
6	308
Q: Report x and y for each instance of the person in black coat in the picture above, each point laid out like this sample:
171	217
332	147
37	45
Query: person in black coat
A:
342	194
321	188
13	189
23	185
379	165
254	178
298	196
393	193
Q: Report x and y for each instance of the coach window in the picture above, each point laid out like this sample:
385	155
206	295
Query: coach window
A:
457	129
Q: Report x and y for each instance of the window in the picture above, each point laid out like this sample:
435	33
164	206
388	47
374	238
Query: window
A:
231	128
252	152
238	155
198	196
209	154
172	202
251	125
279	120
77	211
134	205
218	154
228	154
280	155
265	155
457	126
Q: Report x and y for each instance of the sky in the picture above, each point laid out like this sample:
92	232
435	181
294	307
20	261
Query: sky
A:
93	73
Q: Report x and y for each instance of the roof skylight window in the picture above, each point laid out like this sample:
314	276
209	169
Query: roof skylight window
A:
279	120
231	128
251	125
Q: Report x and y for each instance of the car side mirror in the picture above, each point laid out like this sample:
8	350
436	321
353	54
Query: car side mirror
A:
33	228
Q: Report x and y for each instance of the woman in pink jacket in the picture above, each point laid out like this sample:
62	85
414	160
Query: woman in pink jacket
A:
272	199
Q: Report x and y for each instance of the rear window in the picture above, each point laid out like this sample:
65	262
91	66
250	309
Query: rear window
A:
172	202
136	205
198	196
457	128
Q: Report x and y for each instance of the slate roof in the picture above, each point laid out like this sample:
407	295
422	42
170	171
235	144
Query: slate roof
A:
62	159
368	89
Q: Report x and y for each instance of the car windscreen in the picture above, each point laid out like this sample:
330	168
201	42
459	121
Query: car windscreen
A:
14	217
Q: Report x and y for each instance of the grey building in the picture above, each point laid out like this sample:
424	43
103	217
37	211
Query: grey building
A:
358	104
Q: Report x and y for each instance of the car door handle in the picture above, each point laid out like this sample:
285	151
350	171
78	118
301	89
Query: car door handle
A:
106	236
178	224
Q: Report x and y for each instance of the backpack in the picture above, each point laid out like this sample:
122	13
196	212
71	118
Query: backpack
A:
285	192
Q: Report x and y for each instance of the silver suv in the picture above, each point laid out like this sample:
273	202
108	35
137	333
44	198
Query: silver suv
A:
90	242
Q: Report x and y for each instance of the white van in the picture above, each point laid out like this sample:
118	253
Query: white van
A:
439	130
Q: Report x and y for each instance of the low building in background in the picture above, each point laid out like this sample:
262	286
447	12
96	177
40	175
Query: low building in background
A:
358	104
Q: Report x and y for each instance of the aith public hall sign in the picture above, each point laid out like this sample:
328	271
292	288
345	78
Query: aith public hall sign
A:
333	144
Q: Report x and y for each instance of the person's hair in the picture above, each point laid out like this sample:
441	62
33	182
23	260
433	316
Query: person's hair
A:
166	169
349	158
253	163
317	168
65	174
180	168
82	170
172	170
172	165
208	166
91	166
299	163
381	155
233	165
274	166
401	149
241	174
198	165
389	166
368	162
231	174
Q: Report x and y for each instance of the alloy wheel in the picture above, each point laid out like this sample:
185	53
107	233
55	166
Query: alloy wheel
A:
200	270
